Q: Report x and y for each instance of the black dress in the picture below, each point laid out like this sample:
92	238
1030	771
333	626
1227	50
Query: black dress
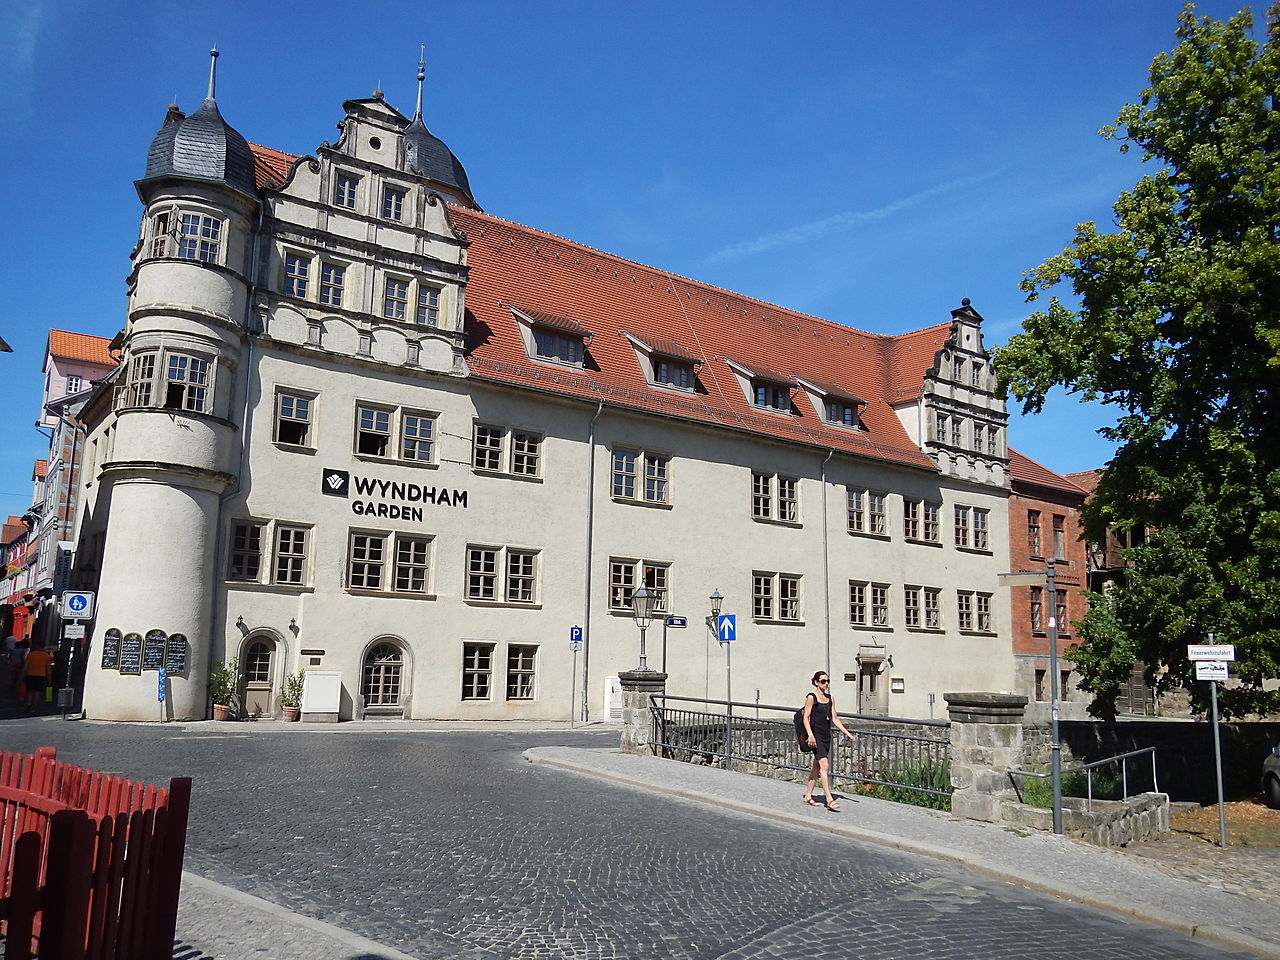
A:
820	724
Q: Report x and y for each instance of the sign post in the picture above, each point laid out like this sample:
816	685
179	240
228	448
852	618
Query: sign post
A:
1211	661
679	622
726	633
575	644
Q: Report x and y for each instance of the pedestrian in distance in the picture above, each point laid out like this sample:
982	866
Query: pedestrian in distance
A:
37	673
819	717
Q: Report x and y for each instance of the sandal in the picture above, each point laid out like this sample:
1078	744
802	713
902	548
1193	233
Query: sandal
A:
832	806
810	802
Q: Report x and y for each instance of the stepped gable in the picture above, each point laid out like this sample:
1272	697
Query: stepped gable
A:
1025	470
516	266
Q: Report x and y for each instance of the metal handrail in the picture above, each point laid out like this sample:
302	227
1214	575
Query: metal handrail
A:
873	717
1088	769
719	732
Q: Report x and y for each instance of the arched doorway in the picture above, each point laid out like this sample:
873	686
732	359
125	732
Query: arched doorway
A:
382	679
258	667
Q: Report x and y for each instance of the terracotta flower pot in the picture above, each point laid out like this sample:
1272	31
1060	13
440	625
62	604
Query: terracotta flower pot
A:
221	712
290	714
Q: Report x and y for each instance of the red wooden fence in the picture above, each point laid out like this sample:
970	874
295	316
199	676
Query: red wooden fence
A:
90	865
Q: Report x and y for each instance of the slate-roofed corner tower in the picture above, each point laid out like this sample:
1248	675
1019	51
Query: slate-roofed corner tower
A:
175	448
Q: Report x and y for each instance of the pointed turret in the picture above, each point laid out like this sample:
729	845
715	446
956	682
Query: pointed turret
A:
428	156
201	146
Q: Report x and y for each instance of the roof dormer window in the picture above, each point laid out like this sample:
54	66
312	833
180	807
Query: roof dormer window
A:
774	396
765	389
665	363
552	339
673	373
554	345
836	405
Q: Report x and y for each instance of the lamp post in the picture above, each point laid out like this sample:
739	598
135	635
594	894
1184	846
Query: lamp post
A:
642	601
1036	578
717	603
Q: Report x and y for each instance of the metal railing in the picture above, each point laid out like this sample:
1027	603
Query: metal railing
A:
1087	768
894	757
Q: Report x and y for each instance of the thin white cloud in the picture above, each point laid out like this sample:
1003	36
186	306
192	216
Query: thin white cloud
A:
816	229
20	25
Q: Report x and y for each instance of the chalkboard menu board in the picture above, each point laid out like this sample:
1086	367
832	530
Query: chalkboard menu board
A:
111	649
131	653
175	655
153	649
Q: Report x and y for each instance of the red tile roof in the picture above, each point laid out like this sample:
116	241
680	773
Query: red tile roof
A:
1023	469
84	347
1087	480
41	468
13	530
514	265
270	167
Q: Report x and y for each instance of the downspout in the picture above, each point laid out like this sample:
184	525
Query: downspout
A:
826	561
586	600
220	608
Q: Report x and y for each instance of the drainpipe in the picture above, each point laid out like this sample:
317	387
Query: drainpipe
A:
586	600
219	608
826	561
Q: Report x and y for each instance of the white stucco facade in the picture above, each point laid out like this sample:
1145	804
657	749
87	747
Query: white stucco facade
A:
333	487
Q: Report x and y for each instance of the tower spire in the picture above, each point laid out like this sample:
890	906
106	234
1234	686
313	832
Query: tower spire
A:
422	64
213	70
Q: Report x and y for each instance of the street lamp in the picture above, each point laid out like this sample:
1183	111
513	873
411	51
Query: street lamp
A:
642	601
1036	578
717	601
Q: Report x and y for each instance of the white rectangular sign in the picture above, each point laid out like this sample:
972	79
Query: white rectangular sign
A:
1211	670
73	631
1211	651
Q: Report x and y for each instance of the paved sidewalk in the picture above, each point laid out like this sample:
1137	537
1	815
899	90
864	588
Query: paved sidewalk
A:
1039	861
216	922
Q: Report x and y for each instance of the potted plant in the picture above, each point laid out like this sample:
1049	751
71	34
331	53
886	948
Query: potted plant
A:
291	698
223	680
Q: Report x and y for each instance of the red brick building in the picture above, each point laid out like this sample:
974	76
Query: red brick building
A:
1044	524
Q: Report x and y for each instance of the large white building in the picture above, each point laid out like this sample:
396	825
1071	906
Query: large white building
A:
363	429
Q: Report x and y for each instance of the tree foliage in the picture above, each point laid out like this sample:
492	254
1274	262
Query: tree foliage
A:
1178	326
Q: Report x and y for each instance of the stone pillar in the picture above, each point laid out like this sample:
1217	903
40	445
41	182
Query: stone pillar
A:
986	741
638	689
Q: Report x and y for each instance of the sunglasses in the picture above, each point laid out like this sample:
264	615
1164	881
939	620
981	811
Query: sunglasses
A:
824	679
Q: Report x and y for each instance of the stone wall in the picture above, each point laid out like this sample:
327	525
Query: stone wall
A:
1111	823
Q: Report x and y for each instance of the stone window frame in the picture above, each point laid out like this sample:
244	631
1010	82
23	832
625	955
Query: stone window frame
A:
477	670
522	671
775	498
346	189
389	562
397	437
512	452
642	477
272	564
626	572
286	416
776	597
150	377
502	575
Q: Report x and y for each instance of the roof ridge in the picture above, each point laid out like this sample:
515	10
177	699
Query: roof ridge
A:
700	284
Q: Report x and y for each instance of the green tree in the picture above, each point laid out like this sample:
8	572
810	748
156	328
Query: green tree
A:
1178	326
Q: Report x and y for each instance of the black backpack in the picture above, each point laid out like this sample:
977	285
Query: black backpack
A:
802	736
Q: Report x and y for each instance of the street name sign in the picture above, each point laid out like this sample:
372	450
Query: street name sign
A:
1211	651
1211	670
677	621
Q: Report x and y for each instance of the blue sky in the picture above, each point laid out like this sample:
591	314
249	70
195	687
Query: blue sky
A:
871	163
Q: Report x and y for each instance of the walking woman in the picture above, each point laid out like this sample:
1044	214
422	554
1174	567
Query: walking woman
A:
819	717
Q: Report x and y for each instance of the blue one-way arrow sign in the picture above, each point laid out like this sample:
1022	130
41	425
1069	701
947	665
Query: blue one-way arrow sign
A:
727	627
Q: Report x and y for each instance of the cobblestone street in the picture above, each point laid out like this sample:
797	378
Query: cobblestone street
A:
449	844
